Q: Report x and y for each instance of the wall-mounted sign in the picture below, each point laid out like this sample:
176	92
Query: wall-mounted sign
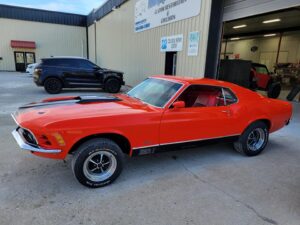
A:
171	43
193	43
154	13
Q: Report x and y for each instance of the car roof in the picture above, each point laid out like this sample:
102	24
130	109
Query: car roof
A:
64	57
236	89
194	80
258	64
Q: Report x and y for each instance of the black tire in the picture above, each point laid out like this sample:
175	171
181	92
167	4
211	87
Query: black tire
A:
244	143
112	85
293	93
86	166
274	90
53	85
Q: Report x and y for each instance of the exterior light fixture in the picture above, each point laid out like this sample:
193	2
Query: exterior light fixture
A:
239	26
269	35
235	39
272	21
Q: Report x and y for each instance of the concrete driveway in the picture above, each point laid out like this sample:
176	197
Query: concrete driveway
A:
210	185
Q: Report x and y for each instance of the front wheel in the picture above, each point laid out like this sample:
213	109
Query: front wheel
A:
97	162
253	140
112	85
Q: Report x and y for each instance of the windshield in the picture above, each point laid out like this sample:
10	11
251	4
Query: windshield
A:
261	69
155	92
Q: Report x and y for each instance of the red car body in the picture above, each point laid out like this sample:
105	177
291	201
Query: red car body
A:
261	75
59	125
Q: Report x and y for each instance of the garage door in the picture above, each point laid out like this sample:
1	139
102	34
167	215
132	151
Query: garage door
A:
236	9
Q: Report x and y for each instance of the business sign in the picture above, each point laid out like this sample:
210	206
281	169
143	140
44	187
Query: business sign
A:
154	13
171	43
193	43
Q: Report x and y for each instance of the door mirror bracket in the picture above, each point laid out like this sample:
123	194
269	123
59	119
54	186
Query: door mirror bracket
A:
178	104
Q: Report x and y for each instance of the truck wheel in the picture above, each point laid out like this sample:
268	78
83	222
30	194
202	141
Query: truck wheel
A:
97	162
274	90
53	85
253	140
112	85
294	91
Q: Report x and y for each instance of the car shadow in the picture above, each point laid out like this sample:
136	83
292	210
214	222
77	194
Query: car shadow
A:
137	170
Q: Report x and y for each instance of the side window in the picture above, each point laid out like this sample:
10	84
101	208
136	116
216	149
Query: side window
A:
201	96
66	63
49	62
229	97
85	64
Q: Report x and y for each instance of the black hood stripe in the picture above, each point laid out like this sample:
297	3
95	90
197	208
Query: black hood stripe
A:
78	100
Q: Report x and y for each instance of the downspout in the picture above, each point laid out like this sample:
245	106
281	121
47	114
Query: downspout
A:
87	43
95	25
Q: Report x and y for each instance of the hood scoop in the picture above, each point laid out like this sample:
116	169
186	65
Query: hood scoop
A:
71	99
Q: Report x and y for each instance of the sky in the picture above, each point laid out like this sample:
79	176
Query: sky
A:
83	7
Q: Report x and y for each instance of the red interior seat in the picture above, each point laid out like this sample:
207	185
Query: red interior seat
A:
207	98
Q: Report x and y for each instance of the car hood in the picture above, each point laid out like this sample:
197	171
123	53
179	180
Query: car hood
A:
111	71
70	108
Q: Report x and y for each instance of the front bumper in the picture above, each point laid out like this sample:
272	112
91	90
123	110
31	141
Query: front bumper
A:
23	145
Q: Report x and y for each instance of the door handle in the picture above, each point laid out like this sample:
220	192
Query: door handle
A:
227	112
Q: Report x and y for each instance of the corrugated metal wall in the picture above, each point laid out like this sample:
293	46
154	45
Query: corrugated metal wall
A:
91	40
105	9
51	39
235	9
39	15
138	54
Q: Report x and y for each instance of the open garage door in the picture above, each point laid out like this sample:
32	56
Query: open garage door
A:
236	9
270	40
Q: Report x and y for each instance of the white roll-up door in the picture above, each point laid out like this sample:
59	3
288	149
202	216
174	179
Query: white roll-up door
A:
235	9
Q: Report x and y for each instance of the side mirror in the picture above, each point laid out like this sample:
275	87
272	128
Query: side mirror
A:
178	104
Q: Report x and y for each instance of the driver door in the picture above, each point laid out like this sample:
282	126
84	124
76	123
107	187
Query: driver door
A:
206	116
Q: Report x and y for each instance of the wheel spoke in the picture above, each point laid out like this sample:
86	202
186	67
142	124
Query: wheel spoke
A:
100	165
92	161
94	169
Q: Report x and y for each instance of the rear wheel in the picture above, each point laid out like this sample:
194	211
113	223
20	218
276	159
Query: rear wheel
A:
97	162
53	85
253	140
274	90
112	85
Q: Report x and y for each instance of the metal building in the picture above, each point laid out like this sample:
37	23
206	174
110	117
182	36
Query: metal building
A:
131	36
138	37
28	35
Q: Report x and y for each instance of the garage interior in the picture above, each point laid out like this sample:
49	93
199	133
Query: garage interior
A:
272	39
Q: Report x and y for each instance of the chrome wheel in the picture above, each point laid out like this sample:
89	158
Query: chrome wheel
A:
256	139
100	166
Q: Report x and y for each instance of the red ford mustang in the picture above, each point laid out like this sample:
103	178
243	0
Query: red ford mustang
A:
161	113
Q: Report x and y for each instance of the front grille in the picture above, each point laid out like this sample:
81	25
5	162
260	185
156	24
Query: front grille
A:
28	136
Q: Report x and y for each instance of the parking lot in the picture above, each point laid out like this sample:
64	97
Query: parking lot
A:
211	185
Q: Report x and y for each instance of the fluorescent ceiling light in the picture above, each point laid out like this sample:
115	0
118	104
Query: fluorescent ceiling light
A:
234	39
239	26
272	21
269	35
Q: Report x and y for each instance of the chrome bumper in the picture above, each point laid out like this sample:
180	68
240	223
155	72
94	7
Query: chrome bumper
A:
23	145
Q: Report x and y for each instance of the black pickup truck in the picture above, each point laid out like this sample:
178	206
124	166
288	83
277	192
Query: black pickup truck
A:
56	73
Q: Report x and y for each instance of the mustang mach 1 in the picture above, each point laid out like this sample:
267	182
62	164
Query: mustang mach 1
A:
161	113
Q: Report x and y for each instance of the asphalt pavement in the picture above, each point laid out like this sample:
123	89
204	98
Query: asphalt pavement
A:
209	185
